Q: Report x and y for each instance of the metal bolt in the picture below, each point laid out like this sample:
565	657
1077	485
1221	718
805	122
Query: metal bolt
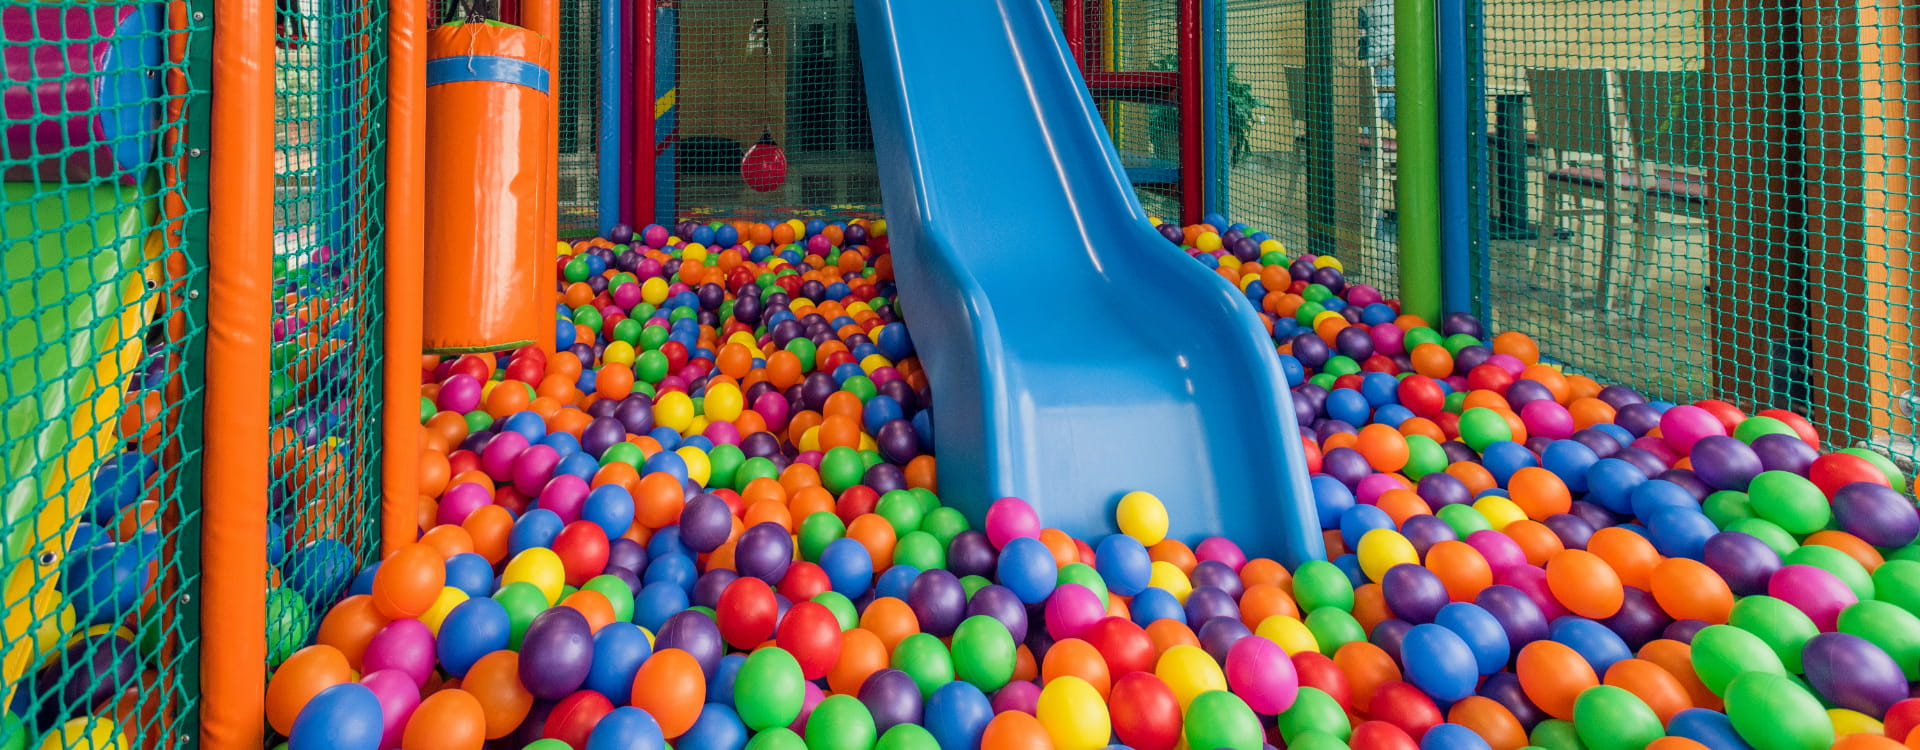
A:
193	294
199	15
194	152
186	598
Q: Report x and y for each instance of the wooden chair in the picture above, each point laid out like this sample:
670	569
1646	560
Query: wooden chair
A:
1582	149
1362	141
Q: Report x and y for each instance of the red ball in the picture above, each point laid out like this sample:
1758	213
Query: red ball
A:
1835	470
1126	646
1449	423
1379	735
764	167
1316	670
574	717
1902	719
582	547
462	461
1314	455
1728	414
1146	715
1350	382
803	582
676	355
1380	363
747	612
855	502
1406	707
1490	377
811	634
1800	425
511	498
1422	395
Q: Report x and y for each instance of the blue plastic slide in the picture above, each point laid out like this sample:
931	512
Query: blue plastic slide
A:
1076	355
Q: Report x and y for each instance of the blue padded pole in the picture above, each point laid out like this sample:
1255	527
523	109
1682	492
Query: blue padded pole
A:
611	97
1456	293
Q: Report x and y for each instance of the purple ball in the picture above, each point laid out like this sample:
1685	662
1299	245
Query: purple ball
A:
898	442
1851	672
1877	514
893	698
1207	602
1311	350
1573	530
1517	613
760	445
1329	277
1602	444
1353	342
1725	463
938	600
556	653
696	634
1000	603
1644	460
710	585
1219	575
1688	481
1639	620
1619	396
1684	630
1638	418
1504	688
1471	357
884	478
1441	489
1784	453
635	412
601	434
629	554
1459	322
764	552
1426	530
705	523
1413	593
1346	465
1743	560
972	554
1389	635
1457	451
1218	634
1524	392
602	409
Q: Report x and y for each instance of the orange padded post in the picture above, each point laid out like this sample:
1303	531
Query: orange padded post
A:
405	273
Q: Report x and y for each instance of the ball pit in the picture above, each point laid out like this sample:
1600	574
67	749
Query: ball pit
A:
712	521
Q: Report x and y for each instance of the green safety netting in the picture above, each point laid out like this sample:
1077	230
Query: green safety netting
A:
579	127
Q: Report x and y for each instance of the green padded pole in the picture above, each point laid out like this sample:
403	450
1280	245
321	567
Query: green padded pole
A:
1417	95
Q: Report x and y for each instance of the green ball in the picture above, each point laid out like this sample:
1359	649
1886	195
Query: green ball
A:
1456	401
578	270
1751	428
13	733
478	420
1464	519
1333	627
708	611
1897	582
841	607
653	337
769	690
1459	341
944	524
1314	739
804	349
1726	506
1782	626
1424	456
1313	710
682	313
1325	380
651	366
589	317
928	500
548	744
1610	718
427	409
920	550
841	722
1316	293
1723	652
723	462
984	653
907	737
818	530
1085	575
1772	712
1319	583
289	622
1895	630
758	467
1221	720
778	738
1481	427
862	386
841	468
1909	552
1766	531
1421	335
1340	364
972	584
617	593
626	453
1840	564
644	311
1791	501
627	330
1307	311
1556	734
1894	478
902	510
523	601
924	658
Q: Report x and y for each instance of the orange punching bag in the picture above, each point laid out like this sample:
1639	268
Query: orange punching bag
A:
487	131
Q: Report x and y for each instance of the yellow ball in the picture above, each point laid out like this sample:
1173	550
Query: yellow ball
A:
809	440
1207	242
1323	317
873	362
449	598
654	291
694	251
867	444
674	409
1289	633
723	403
1229	262
538	566
619	353
1328	261
1272	246
562	248
699	468
1847	722
1381	549
486	389
878	228
1143	517
1499	511
87	733
1163	575
1188	672
699	425
744	339
1074	715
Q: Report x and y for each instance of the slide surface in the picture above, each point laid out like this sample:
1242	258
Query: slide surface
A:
1076	355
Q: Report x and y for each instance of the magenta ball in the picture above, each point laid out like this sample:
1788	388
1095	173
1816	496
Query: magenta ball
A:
1222	550
1010	518
398	696
1532	581
459	393
534	468
1816	592
1500	550
1071	610
1547	419
501	453
565	496
404	645
1018	695
460	501
1260	673
1682	426
807	703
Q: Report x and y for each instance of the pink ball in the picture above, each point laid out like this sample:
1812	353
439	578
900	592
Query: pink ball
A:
722	433
807	703
772	407
1071	610
498	458
1683	426
1019	696
404	645
1659	448
1508	362
534	468
818	244
1388	339
655	236
460	501
398	697
1221	549
1260	673
1010	518
883	374
460	393
677	287
1547	419
1372	486
810	458
1458	383
1532	581
1361	295
565	496
1500	550
627	295
648	268
1818	593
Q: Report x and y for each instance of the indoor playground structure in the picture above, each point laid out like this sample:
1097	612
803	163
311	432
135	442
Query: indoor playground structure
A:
987	375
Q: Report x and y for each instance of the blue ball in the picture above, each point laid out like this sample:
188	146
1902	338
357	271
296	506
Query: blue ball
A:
626	728
1652	495
1296	372
618	650
657	602
471	573
85	535
1610	483
666	461
1380	389
1481	631
475	628
1392	415
895	582
677	569
1331	499
342	717
669	440
528	424
1707	727
319	569
1348	406
879	411
1156	604
363	583
536	528
848	566
104	583
1618	433
1123	563
1596	643
894	342
118	485
1377	313
1505	457
718	728
1356	521
957	715
1680	532
1439	662
1027	567
726	236
564	334
1452	737
609	506
1569	460
720	685
578	463
1350	564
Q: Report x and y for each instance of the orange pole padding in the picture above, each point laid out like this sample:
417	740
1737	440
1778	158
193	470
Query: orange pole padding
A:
543	17
488	91
406	241
239	312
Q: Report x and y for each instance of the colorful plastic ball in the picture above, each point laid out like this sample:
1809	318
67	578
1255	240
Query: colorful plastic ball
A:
404	645
1771	712
984	652
1259	672
1480	631
556	654
629	728
840	722
1073	714
1010	518
1877	514
1610	718
1819	593
1124	564
1851	672
892	698
769	689
342	717
671	687
1146	715
1791	501
1721	653
1028	568
1142	516
473	629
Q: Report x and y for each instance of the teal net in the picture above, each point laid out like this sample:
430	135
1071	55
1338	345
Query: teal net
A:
579	128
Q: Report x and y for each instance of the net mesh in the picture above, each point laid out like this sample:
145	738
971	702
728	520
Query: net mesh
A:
579	118
1304	93
329	173
1131	61
1709	200
99	515
784	72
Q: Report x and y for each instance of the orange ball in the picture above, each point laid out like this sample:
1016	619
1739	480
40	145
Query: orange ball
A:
1491	720
1652	684
672	687
1854	546
1432	360
1461	568
1539	492
891	619
1076	658
1384	447
447	720
1535	539
659	500
1553	674
1677	659
861	654
873	532
302	676
1015	730
490	528
408	582
1175	553
1689	590
1585	584
1630	555
1518	345
1367	667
